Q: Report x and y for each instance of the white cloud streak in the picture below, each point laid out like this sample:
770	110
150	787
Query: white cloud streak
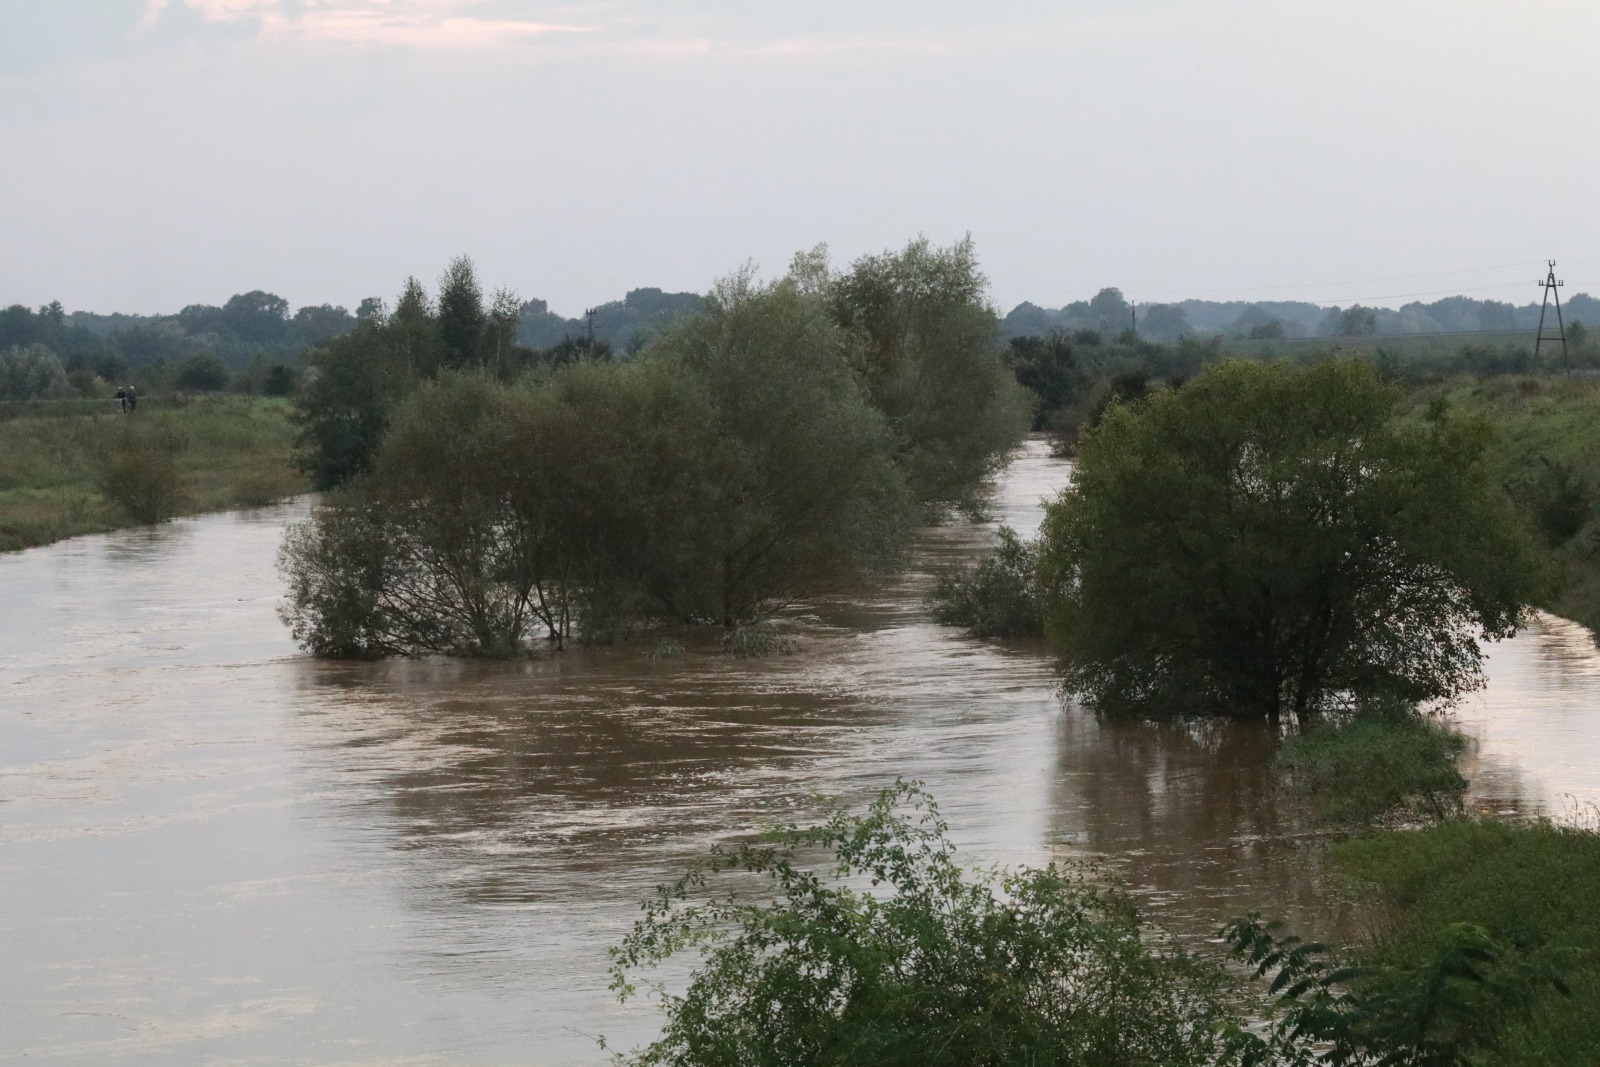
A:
443	24
603	25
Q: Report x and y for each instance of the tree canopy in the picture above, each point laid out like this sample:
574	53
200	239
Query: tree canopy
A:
930	361
771	447
358	377
734	470
1270	542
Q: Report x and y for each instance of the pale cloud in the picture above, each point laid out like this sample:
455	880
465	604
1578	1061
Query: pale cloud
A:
785	47
814	46
411	23
618	26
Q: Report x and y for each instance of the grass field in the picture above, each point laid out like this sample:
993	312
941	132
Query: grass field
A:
1550	426
87	469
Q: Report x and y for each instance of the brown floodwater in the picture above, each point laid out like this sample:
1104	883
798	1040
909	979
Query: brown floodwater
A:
216	850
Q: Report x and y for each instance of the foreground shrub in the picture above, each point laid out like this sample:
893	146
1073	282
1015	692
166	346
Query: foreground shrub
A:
891	954
1453	1005
998	596
1531	889
1398	765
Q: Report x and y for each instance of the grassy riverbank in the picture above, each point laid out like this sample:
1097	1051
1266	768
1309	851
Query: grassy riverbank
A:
64	473
1528	893
1551	428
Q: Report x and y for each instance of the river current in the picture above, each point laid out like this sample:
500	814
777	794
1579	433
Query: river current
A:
216	850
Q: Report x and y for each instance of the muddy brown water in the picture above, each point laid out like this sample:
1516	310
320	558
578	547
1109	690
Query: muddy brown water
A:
216	850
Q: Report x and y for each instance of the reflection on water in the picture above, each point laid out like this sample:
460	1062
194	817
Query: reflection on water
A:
214	849
1537	722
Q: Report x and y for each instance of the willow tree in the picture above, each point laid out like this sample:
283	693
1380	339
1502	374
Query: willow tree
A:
732	469
357	380
930	360
1268	542
795	490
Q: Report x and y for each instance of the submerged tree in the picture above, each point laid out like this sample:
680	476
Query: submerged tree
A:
1267	542
353	385
931	361
733	469
996	597
493	512
800	493
1050	369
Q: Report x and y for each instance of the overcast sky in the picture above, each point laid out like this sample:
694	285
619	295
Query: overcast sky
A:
156	153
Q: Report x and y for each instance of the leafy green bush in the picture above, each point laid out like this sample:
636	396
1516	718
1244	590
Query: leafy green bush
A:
139	473
279	380
997	597
1533	888
31	373
203	374
1400	765
891	954
1452	1006
1558	497
336	565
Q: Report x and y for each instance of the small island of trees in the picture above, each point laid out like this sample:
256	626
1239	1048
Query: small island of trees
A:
783	444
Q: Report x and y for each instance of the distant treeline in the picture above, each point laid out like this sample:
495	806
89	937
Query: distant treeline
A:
1110	312
253	343
623	324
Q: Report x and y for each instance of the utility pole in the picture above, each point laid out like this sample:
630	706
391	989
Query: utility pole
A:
1552	291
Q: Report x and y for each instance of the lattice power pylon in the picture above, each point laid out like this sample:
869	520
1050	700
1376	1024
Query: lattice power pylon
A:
1551	291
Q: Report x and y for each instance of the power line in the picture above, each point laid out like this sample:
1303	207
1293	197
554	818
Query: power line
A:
1311	285
1521	331
1428	292
1383	296
1356	281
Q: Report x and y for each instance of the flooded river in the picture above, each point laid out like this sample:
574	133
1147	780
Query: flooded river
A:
216	850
